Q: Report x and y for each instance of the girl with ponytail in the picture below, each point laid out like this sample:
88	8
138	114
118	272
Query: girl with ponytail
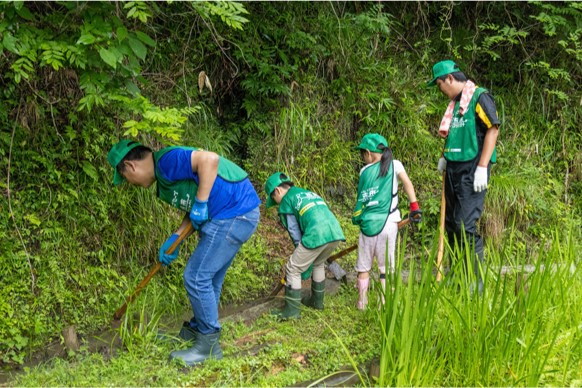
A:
376	211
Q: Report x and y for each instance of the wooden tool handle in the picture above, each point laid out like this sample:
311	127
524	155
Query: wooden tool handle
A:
441	251
185	233
342	253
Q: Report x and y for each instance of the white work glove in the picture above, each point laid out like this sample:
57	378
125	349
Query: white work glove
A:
442	165
480	182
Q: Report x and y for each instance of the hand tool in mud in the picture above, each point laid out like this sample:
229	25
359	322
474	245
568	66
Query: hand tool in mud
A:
439	263
332	258
337	271
120	311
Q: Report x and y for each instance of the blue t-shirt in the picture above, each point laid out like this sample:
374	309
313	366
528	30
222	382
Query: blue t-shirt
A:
226	200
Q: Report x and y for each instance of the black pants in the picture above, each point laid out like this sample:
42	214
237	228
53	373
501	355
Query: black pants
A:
464	208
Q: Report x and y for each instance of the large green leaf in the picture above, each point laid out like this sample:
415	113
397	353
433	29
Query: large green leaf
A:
86	39
138	48
121	33
145	38
24	13
108	57
9	42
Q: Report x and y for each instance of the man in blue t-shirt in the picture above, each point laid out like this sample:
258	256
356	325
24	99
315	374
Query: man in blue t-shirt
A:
219	201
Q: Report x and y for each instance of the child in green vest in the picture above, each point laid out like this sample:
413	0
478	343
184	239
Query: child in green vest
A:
376	211
315	232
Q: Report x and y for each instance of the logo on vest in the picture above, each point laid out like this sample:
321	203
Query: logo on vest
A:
184	203
368	194
301	196
458	122
175	198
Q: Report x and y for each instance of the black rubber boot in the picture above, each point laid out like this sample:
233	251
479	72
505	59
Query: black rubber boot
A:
292	309
315	300
206	346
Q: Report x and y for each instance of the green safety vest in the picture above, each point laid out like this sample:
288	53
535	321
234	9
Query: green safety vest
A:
317	223
374	199
461	144
181	194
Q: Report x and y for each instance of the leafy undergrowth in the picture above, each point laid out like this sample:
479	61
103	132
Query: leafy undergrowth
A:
523	330
266	352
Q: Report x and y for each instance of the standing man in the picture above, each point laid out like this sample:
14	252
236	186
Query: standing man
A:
470	126
219	200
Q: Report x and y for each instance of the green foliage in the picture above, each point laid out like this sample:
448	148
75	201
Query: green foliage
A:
518	332
229	12
460	338
164	122
138	10
293	91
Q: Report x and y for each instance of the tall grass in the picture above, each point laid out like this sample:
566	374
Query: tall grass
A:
523	330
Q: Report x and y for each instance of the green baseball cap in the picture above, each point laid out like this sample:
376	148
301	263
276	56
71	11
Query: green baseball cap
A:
442	68
116	155
272	183
371	141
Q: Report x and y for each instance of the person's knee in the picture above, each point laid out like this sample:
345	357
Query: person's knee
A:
198	285
292	268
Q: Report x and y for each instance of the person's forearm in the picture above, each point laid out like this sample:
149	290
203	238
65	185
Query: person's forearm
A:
408	187
185	222
488	145
409	190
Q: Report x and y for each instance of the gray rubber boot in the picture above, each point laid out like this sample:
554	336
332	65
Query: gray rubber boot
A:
292	309
315	300
206	346
186	333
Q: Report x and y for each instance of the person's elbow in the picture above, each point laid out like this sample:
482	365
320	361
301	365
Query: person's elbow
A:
210	160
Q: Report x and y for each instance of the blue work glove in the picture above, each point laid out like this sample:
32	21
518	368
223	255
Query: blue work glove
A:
199	213
165	258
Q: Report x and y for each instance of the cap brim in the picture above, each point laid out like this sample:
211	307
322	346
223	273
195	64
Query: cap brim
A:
270	202
117	178
431	83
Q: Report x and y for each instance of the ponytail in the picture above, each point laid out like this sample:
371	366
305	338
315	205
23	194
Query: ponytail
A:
385	160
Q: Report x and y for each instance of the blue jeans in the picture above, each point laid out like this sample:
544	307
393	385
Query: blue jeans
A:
220	240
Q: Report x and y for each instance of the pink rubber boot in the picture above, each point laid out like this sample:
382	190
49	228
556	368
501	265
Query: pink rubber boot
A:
362	286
